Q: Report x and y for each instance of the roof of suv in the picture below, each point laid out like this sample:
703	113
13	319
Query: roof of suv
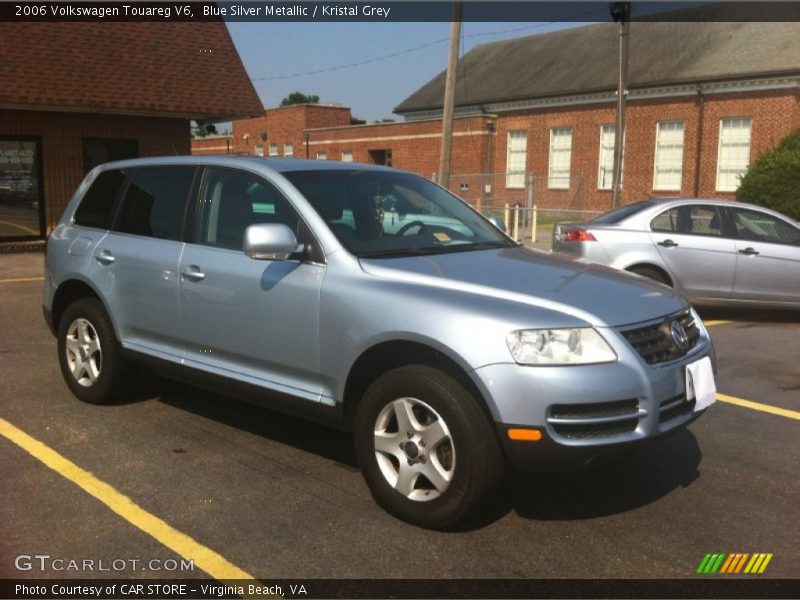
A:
279	165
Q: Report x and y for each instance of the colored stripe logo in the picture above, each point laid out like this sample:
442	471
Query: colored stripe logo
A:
733	563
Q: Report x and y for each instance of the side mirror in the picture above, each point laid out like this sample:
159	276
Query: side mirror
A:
498	222
270	241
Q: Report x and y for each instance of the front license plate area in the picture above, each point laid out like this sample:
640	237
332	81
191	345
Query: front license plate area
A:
700	385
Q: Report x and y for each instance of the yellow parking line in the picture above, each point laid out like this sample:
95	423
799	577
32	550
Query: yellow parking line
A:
712	323
180	543
21	279
774	410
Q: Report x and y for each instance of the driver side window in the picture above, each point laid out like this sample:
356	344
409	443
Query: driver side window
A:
757	226
233	200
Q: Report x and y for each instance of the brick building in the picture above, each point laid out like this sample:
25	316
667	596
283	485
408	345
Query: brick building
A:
78	94
704	100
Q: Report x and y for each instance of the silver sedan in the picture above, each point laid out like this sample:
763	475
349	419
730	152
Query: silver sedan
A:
717	252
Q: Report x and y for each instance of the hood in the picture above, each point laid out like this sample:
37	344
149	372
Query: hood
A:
597	294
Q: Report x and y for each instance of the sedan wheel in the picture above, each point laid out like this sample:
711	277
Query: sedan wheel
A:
83	354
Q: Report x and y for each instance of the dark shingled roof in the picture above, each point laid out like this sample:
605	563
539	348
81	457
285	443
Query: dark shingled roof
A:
585	59
190	70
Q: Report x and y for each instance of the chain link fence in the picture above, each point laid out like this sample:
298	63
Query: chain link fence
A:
529	205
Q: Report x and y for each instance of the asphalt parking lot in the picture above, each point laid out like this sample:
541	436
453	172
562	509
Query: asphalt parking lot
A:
271	496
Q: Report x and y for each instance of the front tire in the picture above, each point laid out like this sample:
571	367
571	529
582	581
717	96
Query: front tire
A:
426	448
89	353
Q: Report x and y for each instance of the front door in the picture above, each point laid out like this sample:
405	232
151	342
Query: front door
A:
767	259
254	320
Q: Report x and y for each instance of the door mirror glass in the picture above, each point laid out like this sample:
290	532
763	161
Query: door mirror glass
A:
498	222
270	241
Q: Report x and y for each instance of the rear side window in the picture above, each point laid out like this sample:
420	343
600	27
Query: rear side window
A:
95	207
155	202
689	220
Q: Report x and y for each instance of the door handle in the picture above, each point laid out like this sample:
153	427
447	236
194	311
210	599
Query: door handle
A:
194	274
667	243
750	251
104	257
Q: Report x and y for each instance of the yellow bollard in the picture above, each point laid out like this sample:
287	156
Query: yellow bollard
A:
505	218
516	222
533	225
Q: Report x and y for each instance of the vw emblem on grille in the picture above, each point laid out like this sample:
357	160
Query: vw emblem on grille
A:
679	336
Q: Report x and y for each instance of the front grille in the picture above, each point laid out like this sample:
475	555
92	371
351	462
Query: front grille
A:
674	407
655	343
602	419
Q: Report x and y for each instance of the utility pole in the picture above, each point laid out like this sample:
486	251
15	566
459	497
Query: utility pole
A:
621	13
450	97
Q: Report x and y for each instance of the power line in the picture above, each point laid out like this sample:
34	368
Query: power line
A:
416	49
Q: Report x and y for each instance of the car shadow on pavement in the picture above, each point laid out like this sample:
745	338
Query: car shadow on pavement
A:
619	485
304	435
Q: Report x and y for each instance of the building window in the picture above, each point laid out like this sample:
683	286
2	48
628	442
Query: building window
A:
259	149
347	156
97	151
668	164
273	149
605	170
288	149
21	201
322	155
560	157
516	159
381	157
734	152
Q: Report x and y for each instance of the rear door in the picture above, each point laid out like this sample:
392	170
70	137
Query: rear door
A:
255	320
767	259
138	260
692	241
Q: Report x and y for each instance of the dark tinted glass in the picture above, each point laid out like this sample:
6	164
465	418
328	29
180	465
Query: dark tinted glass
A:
689	220
232	201
95	208
623	212
155	202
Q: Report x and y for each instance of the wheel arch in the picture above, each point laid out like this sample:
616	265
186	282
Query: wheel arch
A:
387	355
654	266
68	292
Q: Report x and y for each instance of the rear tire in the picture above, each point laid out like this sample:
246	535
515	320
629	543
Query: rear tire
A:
89	354
426	448
651	273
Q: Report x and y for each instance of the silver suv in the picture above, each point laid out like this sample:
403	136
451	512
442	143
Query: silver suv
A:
375	300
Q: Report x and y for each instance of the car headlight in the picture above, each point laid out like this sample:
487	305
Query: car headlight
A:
579	346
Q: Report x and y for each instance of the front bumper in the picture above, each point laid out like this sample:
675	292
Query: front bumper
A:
584	412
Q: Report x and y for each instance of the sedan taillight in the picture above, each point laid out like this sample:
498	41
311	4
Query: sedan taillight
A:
579	235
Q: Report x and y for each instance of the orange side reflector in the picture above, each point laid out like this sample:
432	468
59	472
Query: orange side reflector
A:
525	435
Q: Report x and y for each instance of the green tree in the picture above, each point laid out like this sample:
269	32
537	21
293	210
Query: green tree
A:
774	179
299	98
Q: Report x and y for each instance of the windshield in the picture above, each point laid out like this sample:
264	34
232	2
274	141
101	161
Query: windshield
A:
383	213
623	212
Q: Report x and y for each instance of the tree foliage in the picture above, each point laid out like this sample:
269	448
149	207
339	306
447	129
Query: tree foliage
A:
299	98
773	180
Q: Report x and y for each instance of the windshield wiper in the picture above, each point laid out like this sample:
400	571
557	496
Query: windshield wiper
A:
394	252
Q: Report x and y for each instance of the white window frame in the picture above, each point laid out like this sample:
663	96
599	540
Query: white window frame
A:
259	150
559	178
273	149
603	155
288	149
516	159
322	155
347	156
662	170
722	171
